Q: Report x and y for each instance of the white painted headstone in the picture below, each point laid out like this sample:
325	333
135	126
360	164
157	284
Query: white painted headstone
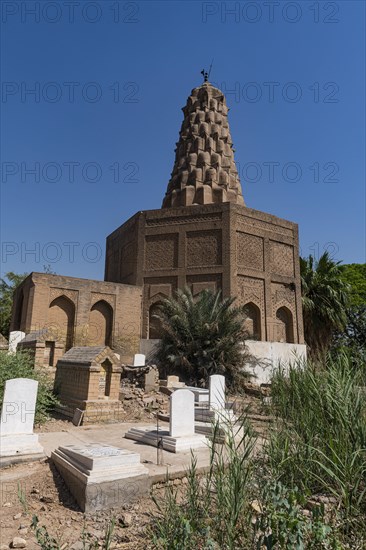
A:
15	337
217	392
139	360
17	418
181	421
19	405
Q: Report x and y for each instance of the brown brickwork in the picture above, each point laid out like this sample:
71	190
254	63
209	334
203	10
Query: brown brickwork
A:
203	237
219	246
88	378
80	312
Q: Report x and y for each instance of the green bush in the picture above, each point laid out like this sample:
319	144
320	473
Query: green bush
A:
201	336
20	365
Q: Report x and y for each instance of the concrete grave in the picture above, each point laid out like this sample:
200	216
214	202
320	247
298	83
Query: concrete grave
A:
101	476
181	435
17	440
201	395
216	410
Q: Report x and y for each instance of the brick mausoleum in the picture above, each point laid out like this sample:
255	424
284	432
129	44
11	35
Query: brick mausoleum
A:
203	236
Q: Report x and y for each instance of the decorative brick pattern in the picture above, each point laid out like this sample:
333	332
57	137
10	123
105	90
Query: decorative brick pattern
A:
282	258
204	248
251	290
161	252
57	292
249	251
97	296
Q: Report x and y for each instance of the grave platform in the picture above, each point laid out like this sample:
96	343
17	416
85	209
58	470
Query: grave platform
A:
101	476
149	435
18	448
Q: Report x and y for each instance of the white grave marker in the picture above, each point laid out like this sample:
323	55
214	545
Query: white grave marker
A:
17	418
181	421
139	360
217	392
15	337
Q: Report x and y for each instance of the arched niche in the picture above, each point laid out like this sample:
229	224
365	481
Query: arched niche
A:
154	323
252	323
61	320
100	324
284	325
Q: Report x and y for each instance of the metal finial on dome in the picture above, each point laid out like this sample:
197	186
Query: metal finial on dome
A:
206	74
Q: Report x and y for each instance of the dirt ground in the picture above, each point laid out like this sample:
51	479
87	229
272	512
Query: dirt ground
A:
37	489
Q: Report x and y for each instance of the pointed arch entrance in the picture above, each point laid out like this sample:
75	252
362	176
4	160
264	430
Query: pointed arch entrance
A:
100	324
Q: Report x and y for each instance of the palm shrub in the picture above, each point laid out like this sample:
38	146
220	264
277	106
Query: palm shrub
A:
320	441
201	336
20	365
325	297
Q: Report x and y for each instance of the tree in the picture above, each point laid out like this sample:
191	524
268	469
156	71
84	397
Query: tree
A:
7	289
355	276
201	336
325	298
352	340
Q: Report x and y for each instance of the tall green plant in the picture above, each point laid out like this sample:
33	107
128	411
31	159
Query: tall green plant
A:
201	336
325	297
320	441
210	512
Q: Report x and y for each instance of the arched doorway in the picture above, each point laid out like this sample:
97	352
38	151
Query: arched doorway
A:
154	323
61	321
100	324
284	325
252	323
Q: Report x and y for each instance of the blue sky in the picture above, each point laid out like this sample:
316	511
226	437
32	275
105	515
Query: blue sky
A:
109	81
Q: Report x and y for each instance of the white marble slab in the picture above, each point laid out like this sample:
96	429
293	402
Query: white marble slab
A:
181	420
19	405
217	392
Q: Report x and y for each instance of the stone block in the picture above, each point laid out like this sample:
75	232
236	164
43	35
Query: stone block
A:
101	476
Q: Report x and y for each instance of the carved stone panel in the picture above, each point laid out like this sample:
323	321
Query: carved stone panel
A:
282	258
204	248
249	250
161	252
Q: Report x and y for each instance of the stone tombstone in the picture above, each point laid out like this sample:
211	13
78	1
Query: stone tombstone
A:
181	421
17	414
172	380
151	380
217	392
15	337
139	360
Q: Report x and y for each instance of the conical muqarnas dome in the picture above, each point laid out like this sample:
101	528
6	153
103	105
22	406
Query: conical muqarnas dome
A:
204	169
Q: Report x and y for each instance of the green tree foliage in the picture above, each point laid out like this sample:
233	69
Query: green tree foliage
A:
7	287
352	339
325	298
355	276
201	336
20	365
